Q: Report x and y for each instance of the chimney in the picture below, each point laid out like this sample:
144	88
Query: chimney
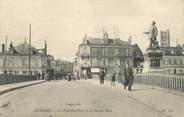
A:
45	48
3	48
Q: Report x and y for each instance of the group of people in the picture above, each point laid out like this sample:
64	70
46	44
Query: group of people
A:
70	76
40	76
128	77
86	74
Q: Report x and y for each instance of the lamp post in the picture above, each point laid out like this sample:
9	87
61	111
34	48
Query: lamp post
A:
5	53
29	49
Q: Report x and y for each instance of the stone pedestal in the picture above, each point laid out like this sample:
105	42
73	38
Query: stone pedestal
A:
152	63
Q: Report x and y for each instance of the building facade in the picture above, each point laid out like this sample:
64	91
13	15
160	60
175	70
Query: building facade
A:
65	66
111	54
15	60
173	60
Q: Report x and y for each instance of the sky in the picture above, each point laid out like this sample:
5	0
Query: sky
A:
63	23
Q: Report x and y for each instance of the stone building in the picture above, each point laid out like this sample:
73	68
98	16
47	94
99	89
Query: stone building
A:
108	53
16	60
64	66
173	60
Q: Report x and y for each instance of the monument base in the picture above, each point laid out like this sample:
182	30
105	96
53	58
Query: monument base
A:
152	63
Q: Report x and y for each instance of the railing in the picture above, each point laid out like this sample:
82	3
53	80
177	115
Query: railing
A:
170	82
8	79
173	83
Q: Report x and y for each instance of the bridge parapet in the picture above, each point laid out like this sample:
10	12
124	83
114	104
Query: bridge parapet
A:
8	79
171	82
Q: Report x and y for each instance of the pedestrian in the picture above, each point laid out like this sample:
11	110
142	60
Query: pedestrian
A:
65	77
89	73
39	75
43	76
85	74
102	75
48	78
69	76
113	79
128	74
73	76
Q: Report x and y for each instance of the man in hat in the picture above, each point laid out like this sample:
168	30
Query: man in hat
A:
128	74
102	75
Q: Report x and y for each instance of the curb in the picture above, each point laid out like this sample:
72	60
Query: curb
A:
19	87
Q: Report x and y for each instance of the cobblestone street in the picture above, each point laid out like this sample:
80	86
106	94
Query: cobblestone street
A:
80	98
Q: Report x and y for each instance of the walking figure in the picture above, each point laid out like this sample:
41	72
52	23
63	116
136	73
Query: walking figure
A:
84	74
128	74
102	75
69	76
39	75
113	79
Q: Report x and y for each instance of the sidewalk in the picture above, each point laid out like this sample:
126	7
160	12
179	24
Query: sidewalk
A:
9	87
161	101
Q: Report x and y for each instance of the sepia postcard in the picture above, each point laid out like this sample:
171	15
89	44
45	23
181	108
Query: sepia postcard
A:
91	58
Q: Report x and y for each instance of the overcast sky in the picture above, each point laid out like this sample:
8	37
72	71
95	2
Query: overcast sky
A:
63	23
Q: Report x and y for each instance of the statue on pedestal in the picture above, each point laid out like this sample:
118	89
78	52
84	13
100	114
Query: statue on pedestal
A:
153	32
152	63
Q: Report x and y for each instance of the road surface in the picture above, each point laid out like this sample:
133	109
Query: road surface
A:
72	99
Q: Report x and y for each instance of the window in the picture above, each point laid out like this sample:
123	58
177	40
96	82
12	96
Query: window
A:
169	61
174	71
99	61
116	61
10	72
126	51
116	52
97	52
16	72
180	71
94	61
180	62
172	61
103	61
155	63
122	52
168	71
24	72
110	52
35	72
164	61
110	62
175	61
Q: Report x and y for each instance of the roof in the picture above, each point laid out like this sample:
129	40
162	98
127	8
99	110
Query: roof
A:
138	53
96	41
109	41
24	49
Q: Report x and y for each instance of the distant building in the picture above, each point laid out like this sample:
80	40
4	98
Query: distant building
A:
173	60
63	66
108	53
16	60
164	38
67	66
